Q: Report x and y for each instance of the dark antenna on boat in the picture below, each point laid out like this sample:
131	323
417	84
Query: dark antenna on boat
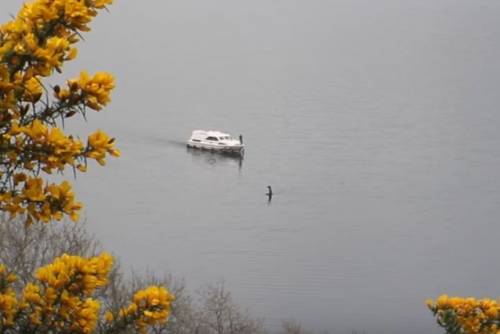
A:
241	139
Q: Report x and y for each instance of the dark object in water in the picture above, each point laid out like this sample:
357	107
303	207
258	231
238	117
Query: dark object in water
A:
269	194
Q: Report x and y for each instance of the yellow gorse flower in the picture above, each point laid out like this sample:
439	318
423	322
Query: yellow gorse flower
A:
33	89
39	40
150	306
8	300
94	90
63	294
90	273
100	144
61	300
46	201
473	316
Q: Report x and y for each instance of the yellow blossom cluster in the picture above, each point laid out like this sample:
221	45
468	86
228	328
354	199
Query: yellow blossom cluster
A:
150	306
8	301
62	296
40	202
77	275
466	315
92	91
45	30
35	43
61	300
38	146
100	144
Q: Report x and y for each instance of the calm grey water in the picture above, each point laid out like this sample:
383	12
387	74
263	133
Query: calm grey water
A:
376	123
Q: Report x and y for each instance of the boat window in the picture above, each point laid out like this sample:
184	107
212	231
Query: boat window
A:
196	140
212	139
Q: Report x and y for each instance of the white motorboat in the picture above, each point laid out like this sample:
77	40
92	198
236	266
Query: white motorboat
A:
216	141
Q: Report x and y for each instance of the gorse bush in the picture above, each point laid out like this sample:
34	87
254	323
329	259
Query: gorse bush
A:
466	315
209	310
36	43
61	296
60	300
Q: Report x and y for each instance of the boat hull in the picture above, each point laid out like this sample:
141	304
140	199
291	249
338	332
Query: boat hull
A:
236	149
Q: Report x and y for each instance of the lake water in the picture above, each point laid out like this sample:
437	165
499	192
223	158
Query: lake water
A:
376	123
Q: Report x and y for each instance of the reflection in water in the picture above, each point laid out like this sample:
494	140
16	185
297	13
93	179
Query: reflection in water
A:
214	159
